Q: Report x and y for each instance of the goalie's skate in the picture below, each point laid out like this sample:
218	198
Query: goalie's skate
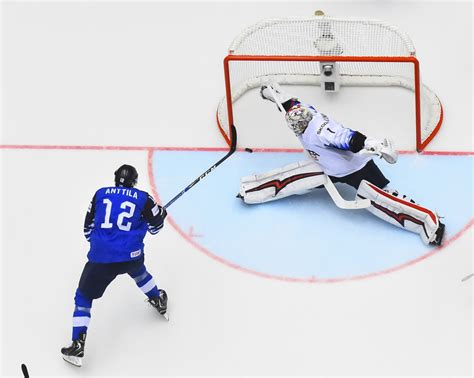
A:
75	353
160	303
439	235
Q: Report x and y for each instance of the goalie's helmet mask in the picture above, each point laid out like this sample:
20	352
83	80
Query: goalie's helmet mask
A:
126	176
298	118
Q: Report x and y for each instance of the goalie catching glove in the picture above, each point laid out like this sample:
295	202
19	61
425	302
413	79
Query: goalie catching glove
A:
384	149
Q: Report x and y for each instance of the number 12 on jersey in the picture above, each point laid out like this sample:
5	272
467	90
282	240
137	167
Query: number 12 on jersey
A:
121	218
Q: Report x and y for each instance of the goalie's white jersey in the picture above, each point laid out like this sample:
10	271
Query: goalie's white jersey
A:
328	143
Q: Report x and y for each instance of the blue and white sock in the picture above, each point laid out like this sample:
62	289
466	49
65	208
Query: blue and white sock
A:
145	283
81	316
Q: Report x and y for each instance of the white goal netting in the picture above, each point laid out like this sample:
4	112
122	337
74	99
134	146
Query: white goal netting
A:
366	52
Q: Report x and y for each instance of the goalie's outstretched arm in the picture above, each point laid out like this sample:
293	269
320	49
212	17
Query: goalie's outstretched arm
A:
332	134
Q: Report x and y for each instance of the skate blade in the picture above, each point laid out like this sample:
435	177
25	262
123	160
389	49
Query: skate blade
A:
76	361
439	235
166	316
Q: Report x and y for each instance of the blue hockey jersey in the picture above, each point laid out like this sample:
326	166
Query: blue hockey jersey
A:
117	221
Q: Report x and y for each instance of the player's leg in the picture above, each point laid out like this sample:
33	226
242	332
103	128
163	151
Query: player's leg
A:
94	280
80	321
145	282
369	172
402	212
392	207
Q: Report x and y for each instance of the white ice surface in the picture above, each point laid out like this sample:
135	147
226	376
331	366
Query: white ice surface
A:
150	74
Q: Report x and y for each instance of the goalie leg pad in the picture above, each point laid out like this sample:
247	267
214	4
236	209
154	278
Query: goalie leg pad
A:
401	212
296	178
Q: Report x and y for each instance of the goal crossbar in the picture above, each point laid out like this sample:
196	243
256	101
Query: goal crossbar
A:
225	108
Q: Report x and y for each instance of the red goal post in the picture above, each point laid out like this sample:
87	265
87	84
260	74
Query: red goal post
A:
330	39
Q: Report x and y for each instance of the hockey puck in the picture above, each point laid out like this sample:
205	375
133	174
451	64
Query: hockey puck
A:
249	150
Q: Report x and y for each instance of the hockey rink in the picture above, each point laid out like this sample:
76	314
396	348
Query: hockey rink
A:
288	288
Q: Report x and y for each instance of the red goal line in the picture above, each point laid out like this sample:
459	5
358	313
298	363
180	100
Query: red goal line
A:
199	149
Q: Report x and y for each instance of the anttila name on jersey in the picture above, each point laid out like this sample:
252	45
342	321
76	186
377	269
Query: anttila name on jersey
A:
122	191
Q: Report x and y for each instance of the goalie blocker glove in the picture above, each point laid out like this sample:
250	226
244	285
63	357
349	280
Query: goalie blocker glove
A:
272	92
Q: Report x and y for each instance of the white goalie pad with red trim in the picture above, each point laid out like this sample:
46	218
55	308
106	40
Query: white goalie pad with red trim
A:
296	178
400	212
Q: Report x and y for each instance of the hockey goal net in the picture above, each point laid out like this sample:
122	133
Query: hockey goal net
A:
331	53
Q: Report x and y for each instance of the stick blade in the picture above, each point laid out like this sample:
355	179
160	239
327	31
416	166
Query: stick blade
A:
354	205
233	138
24	370
341	202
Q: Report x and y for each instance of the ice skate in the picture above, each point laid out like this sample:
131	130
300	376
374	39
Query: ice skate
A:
75	353
439	235
160	303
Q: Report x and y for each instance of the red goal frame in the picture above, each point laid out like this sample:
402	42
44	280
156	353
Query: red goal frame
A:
420	146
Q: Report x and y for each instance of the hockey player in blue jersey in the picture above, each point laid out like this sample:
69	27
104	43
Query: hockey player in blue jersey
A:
116	223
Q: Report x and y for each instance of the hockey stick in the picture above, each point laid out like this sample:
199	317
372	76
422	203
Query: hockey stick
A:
341	202
24	370
275	96
233	146
330	187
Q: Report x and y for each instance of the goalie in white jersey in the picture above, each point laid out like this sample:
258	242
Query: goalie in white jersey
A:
338	154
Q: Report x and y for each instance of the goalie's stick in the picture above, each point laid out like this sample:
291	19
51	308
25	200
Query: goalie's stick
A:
233	146
341	202
278	102
330	187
